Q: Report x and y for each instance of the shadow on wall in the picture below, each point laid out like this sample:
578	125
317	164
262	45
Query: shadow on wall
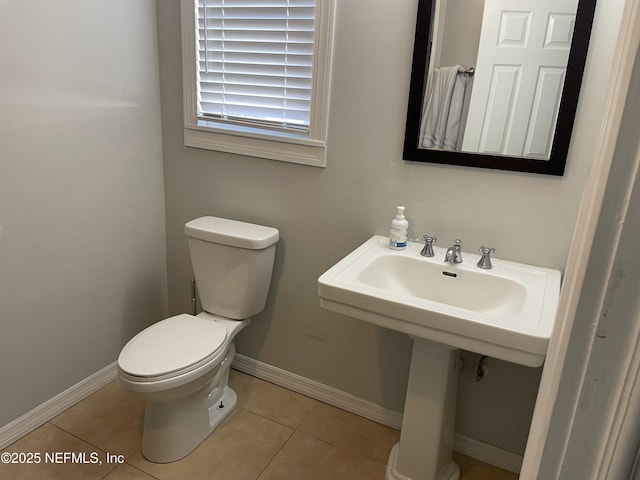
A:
393	347
144	304
261	323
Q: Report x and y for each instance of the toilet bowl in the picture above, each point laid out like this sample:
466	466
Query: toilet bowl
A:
180	365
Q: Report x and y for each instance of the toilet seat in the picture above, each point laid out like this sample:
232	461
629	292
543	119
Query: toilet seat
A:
172	347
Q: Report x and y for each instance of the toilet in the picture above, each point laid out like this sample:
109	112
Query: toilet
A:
180	365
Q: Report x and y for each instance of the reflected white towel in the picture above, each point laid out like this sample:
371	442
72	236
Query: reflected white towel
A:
443	108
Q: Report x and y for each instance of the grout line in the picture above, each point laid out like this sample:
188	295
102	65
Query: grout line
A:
476	449
293	431
140	470
317	391
15	430
317	404
275	379
76	437
308	414
344	449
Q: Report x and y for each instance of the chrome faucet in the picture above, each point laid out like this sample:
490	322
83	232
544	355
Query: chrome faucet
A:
454	255
485	261
427	250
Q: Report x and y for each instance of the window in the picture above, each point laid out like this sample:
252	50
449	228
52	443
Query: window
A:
256	77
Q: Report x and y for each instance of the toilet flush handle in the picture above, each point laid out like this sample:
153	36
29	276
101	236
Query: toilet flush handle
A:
194	300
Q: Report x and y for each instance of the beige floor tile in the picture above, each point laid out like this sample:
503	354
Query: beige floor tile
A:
238	449
306	458
271	401
127	472
351	432
110	419
472	469
254	442
50	439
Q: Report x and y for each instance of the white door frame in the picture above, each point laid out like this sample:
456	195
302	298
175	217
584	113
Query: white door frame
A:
574	347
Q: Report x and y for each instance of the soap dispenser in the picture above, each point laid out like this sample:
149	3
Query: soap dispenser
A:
398	231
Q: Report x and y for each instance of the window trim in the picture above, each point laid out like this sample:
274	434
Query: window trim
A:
287	147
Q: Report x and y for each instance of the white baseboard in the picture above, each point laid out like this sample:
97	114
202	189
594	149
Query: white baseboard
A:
318	391
43	413
486	453
324	393
345	401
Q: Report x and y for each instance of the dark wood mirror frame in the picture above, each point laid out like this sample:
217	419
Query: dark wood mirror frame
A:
566	114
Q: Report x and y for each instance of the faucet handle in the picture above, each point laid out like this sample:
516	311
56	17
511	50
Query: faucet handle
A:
429	238
485	260
427	250
457	243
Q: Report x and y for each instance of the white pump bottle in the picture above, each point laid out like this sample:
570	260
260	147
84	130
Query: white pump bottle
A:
398	231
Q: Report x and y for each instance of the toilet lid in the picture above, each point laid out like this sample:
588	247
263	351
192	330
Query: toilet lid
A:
171	345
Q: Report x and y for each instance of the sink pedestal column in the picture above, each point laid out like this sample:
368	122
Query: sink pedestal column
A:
426	440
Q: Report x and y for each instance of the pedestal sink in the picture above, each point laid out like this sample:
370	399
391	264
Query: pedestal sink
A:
506	312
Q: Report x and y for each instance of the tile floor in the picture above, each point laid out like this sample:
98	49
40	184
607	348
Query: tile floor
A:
274	434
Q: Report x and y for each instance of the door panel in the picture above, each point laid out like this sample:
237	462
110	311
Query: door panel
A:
535	43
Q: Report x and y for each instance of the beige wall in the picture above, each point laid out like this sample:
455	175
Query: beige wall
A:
323	214
82	245
461	39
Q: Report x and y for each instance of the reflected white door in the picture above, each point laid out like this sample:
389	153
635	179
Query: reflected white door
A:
519	76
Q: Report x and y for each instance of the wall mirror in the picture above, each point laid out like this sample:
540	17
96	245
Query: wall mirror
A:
495	83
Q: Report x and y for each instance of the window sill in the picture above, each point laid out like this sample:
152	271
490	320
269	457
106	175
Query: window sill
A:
273	147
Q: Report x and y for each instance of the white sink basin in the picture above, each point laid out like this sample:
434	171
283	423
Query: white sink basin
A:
506	312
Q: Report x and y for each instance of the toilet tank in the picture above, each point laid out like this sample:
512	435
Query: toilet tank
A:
232	264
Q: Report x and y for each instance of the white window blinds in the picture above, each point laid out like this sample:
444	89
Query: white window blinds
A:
255	62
